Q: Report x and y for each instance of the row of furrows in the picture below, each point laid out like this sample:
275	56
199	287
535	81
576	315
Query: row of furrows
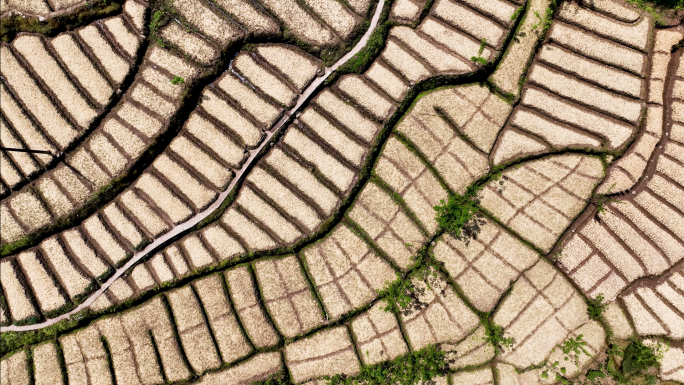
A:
639	234
293	190
54	90
94	166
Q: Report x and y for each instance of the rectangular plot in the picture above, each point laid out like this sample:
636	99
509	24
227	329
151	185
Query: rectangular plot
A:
23	126
257	368
332	135
267	82
229	336
163	198
222	244
243	294
249	100
44	287
14	369
198	194
616	134
10	174
16	294
83	253
457	41
123	36
82	68
303	179
212	137
324	353
268	215
140	210
58	203
70	181
328	165
173	64
108	244
194	334
347	115
41	107
23	160
598	48
301	22
198	256
472	22
47	368
142	348
252	235
404	62
207	21
139	119
108	155
438	58
387	80
116	66
120	349
285	198
73	280
203	164
127	140
123	225
152	100
47	68
231	118
335	15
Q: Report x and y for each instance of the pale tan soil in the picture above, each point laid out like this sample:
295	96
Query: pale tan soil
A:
141	277
223	245
405	10
266	81
635	35
189	43
252	235
250	16
136	12
597	48
30	134
46	68
29	210
122	35
285	230
163	198
484	268
108	155
202	162
334	136
145	214
351	118
355	87
103	238
388	81
330	167
37	7
335	15
14	370
472	351
445	319
22	160
10	175
114	64
378	337
440	59
285	198
197	255
467	20
58	203
246	302
20	306
72	279
46	365
248	99
257	368
298	66
615	134
198	194
83	253
152	100
556	134
176	259
231	118
517	55
325	353
671	367
213	138
207	21
139	119
163	83
617	321
514	145
404	62
300	22
41	107
345	271
614	9
478	377
171	63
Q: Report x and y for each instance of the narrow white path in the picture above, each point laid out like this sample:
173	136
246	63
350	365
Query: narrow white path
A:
238	177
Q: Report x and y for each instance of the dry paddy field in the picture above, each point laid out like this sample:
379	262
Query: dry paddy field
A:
585	111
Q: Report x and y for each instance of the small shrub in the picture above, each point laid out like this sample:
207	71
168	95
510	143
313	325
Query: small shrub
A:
494	335
638	358
595	306
177	80
460	216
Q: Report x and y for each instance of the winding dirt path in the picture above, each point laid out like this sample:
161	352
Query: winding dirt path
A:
253	157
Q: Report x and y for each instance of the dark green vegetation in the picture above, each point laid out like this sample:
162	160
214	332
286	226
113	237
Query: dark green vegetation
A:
638	358
91	11
459	216
595	307
494	335
418	367
177	80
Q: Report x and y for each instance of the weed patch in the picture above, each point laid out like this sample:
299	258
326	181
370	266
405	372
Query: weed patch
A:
595	307
459	216
494	335
414	368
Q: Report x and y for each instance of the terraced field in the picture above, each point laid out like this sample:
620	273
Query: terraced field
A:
307	191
